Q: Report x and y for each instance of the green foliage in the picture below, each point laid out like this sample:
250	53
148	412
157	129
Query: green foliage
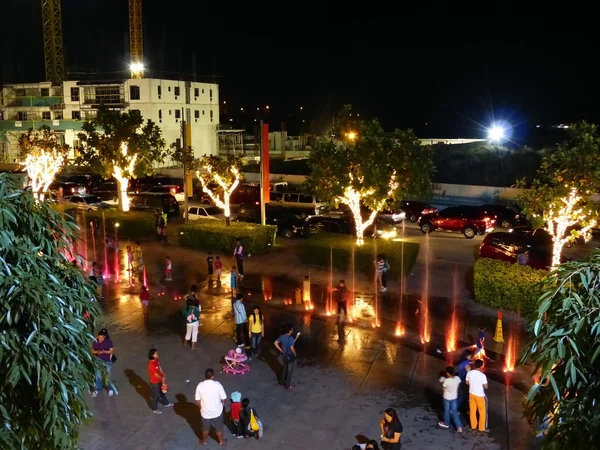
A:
574	165
565	350
132	225
503	285
46	367
318	248
43	138
215	235
101	140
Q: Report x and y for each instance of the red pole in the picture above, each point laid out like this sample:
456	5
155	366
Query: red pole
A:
265	157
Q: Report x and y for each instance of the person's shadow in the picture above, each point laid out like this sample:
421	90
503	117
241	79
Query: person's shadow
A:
190	412
141	386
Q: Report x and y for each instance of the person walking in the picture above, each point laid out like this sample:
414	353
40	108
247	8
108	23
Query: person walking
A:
145	300
384	273
168	269
257	331
238	254
241	320
450	383
157	382
103	348
209	264
93	274
477	382
286	344
342	298
233	282
192	321
211	398
391	430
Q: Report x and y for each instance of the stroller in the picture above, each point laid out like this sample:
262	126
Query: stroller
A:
234	362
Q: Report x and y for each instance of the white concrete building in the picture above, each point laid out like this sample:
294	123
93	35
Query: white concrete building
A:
64	108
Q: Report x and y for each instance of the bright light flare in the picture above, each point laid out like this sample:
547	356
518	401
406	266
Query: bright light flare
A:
510	355
137	69
496	133
351	135
399	330
42	169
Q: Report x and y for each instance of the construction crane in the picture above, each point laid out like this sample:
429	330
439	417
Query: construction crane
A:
136	41
54	60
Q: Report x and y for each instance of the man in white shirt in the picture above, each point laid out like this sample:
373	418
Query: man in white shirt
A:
211	397
450	383
478	383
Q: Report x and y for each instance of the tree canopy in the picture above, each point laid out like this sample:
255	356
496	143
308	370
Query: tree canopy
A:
41	139
46	367
101	140
565	351
359	154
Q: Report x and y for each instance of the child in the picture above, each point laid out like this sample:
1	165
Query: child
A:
168	270
236	407
145	300
233	283
219	267
246	416
209	262
306	291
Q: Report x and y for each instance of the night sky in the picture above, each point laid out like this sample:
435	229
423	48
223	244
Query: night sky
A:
441	70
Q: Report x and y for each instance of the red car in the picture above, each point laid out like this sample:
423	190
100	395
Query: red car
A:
506	246
468	220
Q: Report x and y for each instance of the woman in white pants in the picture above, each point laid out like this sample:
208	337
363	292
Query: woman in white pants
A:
192	317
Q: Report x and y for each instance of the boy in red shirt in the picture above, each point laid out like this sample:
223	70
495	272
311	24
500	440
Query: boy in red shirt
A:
218	267
157	380
236	407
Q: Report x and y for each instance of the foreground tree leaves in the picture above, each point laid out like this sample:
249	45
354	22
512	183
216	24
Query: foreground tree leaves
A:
565	350
46	367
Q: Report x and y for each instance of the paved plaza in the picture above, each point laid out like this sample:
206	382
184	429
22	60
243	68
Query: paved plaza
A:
347	374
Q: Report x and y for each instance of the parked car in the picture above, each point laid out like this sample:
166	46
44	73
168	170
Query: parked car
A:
343	225
176	191
149	201
289	221
541	237
506	217
205	212
507	246
415	209
391	215
68	188
468	220
87	180
86	202
298	200
144	184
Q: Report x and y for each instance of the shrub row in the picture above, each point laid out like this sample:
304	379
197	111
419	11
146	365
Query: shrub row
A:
214	235
318	249
132	225
513	287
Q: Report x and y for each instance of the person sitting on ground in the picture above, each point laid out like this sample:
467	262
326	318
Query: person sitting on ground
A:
245	416
391	430
369	445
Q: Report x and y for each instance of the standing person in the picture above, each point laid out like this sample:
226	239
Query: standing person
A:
218	267
209	263
286	345
145	300
450	383
306	291
238	254
480	353
192	318
241	320
93	275
168	267
103	348
193	295
384	273
342	298
246	414
379	265
236	407
391	430
477	382
233	282
463	390
211	397
157	380
164	227
257	331
158	225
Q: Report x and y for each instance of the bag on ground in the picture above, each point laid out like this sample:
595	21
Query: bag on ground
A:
253	422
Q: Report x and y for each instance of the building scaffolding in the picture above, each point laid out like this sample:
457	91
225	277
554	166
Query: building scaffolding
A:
54	60
136	39
231	142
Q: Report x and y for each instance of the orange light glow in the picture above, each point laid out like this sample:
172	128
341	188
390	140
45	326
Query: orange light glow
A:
510	355
399	329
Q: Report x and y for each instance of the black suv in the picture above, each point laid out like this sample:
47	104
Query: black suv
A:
506	217
289	221
344	225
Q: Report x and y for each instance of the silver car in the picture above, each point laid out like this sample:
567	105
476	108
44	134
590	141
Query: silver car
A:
86	202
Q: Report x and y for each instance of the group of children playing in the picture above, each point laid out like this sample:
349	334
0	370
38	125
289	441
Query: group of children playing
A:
246	422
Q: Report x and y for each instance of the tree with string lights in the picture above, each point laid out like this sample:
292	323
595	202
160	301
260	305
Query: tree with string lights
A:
219	177
358	164
43	154
121	145
560	199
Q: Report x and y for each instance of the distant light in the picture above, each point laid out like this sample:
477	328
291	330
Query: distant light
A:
302	107
258	109
231	120
351	135
538	126
117	224
224	102
267	106
136	67
496	133
241	109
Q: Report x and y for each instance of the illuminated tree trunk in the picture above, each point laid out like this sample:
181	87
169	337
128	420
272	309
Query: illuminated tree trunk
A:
227	190
122	175
42	169
352	199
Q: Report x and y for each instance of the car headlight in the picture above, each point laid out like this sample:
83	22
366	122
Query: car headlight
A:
388	234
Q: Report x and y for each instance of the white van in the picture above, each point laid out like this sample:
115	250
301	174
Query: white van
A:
298	200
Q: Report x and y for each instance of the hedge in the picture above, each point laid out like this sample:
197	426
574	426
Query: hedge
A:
503	285
214	235
132	225
317	249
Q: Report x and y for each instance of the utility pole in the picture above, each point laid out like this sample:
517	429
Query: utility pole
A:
185	149
263	206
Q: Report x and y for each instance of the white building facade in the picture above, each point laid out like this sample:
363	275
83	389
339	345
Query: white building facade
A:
64	109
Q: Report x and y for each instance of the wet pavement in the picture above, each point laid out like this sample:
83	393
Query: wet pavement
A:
347	373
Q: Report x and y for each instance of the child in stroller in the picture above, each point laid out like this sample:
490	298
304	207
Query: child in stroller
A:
234	362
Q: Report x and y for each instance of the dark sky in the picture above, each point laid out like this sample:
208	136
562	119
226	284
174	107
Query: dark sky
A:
454	69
